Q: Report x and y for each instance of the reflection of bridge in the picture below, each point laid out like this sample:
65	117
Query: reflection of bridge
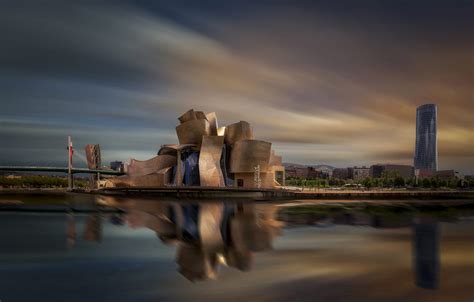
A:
59	169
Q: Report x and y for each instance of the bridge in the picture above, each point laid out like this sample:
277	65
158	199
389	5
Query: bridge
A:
94	161
59	169
68	170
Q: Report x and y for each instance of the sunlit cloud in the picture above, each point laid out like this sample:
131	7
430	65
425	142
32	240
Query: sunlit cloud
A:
321	87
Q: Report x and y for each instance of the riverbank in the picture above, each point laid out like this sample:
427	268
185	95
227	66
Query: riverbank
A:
209	193
214	193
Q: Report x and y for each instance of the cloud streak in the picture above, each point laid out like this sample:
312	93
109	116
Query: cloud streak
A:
324	86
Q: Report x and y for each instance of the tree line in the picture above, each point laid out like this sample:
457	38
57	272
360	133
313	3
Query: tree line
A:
389	179
39	181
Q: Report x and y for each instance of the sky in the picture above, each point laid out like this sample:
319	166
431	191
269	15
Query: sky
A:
333	82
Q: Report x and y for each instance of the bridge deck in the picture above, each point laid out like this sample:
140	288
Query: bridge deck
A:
58	169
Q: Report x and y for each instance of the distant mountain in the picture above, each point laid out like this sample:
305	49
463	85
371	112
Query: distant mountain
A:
293	165
321	166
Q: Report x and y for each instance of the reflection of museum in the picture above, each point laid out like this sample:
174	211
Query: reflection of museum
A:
208	155
207	235
212	234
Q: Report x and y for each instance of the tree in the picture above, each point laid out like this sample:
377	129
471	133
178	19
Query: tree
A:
399	182
426	183
368	182
443	183
434	182
333	182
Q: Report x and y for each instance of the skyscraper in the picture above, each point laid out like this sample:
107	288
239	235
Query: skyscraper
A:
426	150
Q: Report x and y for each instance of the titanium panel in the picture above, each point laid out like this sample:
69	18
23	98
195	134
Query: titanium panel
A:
275	160
140	168
158	179
200	115
221	131
187	116
170	149
247	154
212	118
191	132
210	161
238	131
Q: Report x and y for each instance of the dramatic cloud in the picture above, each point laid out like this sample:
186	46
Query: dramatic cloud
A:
325	83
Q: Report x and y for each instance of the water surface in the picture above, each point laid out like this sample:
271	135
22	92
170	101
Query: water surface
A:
218	251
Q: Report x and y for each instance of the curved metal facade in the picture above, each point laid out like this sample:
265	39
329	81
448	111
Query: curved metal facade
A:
210	171
247	154
191	132
236	132
208	155
153	165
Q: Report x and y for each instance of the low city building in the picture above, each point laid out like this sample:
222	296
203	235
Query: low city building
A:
117	166
296	171
359	173
325	171
441	174
378	171
340	173
448	174
424	173
314	173
308	172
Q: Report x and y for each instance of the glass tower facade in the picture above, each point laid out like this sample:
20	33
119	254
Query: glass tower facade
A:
426	149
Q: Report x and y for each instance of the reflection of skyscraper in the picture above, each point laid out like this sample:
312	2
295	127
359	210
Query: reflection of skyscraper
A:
426	149
426	253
